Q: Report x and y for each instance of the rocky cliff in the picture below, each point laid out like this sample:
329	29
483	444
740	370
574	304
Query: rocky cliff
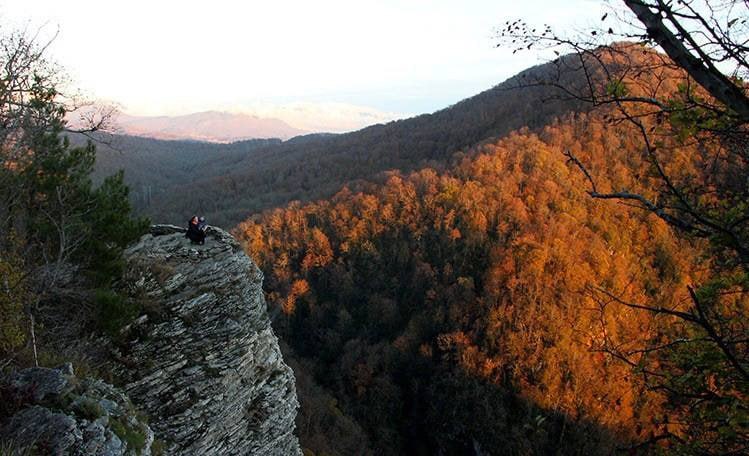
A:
61	414
203	363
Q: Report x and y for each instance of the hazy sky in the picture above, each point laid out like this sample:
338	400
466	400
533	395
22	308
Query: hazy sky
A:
397	57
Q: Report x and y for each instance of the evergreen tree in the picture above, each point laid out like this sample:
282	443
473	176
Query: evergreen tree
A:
67	232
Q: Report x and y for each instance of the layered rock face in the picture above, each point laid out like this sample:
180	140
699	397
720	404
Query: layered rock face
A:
204	363
59	413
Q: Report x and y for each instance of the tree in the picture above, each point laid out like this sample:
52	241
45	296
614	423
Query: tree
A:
690	111
69	233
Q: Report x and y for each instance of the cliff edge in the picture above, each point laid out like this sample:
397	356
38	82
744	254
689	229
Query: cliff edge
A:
204	363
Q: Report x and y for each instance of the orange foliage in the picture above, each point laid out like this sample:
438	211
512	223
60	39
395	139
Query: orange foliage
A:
484	270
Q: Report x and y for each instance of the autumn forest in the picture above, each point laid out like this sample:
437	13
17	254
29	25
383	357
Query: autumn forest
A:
500	305
557	265
474	294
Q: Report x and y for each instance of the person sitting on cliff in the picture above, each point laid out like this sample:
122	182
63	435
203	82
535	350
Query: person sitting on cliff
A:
196	230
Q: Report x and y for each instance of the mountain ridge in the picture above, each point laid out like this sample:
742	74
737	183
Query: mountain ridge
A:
209	126
320	165
311	167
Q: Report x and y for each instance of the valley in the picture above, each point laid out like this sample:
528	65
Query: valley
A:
553	259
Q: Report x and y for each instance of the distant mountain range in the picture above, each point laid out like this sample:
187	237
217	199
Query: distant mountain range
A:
230	182
210	126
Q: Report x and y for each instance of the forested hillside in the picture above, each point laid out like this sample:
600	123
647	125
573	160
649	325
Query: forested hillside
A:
489	305
154	166
452	309
316	166
558	265
447	284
